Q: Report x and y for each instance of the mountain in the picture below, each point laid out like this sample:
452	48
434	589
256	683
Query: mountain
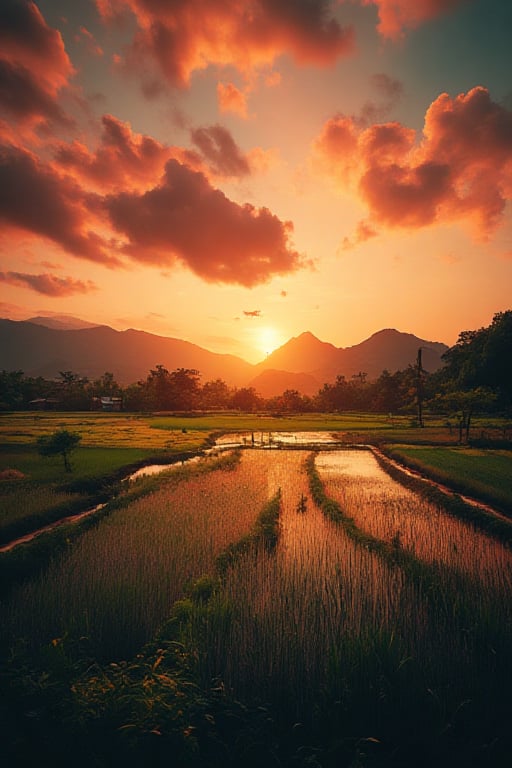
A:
387	349
61	322
129	355
270	383
304	363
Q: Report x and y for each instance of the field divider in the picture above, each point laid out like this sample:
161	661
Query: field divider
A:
265	532
482	516
432	576
27	559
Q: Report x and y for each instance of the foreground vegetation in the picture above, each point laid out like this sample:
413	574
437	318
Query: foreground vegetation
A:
483	474
261	610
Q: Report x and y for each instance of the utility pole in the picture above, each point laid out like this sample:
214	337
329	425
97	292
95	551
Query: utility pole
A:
419	387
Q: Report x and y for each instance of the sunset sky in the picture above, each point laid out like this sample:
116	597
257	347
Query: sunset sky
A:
236	172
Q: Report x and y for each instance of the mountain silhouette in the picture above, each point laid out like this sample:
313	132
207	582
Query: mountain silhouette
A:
129	355
304	363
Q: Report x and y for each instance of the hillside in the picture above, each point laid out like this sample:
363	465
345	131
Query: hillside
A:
129	355
304	363
387	349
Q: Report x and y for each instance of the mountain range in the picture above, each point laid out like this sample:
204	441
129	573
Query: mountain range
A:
45	346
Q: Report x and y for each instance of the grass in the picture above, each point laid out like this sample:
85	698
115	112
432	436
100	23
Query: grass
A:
119	581
484	474
340	644
378	637
44	492
100	430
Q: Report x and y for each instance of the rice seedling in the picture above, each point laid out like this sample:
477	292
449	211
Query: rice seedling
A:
394	625
386	510
119	581
337	637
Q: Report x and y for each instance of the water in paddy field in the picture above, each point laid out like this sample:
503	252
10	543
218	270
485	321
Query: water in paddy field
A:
388	511
265	438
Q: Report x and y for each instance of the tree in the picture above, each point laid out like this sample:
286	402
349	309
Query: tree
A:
481	359
464	404
215	394
246	399
72	390
62	442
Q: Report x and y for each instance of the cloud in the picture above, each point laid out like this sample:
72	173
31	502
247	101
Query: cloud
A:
389	87
47	284
122	158
395	16
460	170
184	218
220	151
252	312
364	231
231	99
34	65
87	38
181	38
34	199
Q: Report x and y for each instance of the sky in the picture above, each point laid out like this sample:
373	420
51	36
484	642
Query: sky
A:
234	173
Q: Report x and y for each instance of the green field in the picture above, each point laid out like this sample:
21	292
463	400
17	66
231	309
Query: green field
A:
35	490
484	474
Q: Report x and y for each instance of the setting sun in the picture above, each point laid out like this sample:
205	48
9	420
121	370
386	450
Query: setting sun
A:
268	339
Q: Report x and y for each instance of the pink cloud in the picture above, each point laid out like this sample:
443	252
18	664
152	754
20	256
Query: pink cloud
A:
185	219
122	158
87	38
34	66
220	151
461	168
182	38
231	99
364	231
36	200
395	16
47	284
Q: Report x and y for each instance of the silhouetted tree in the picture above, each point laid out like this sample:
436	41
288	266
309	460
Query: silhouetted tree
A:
62	442
246	399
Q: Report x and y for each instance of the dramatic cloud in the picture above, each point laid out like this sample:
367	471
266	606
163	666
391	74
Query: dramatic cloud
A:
123	158
395	16
220	151
34	65
184	37
49	285
461	169
231	99
34	199
184	218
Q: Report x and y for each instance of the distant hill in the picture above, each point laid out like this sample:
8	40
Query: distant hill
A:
304	363
129	355
61	322
270	383
387	349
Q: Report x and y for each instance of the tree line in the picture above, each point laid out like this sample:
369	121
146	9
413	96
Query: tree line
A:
476	375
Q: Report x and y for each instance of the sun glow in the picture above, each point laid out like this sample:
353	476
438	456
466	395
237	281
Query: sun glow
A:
268	339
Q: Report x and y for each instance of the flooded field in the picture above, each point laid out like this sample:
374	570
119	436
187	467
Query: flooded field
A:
389	630
391	512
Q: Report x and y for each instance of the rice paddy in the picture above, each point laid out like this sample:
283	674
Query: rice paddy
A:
399	637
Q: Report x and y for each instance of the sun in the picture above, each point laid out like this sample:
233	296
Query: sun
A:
268	339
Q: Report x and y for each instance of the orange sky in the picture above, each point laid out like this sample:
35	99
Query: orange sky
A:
236	173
